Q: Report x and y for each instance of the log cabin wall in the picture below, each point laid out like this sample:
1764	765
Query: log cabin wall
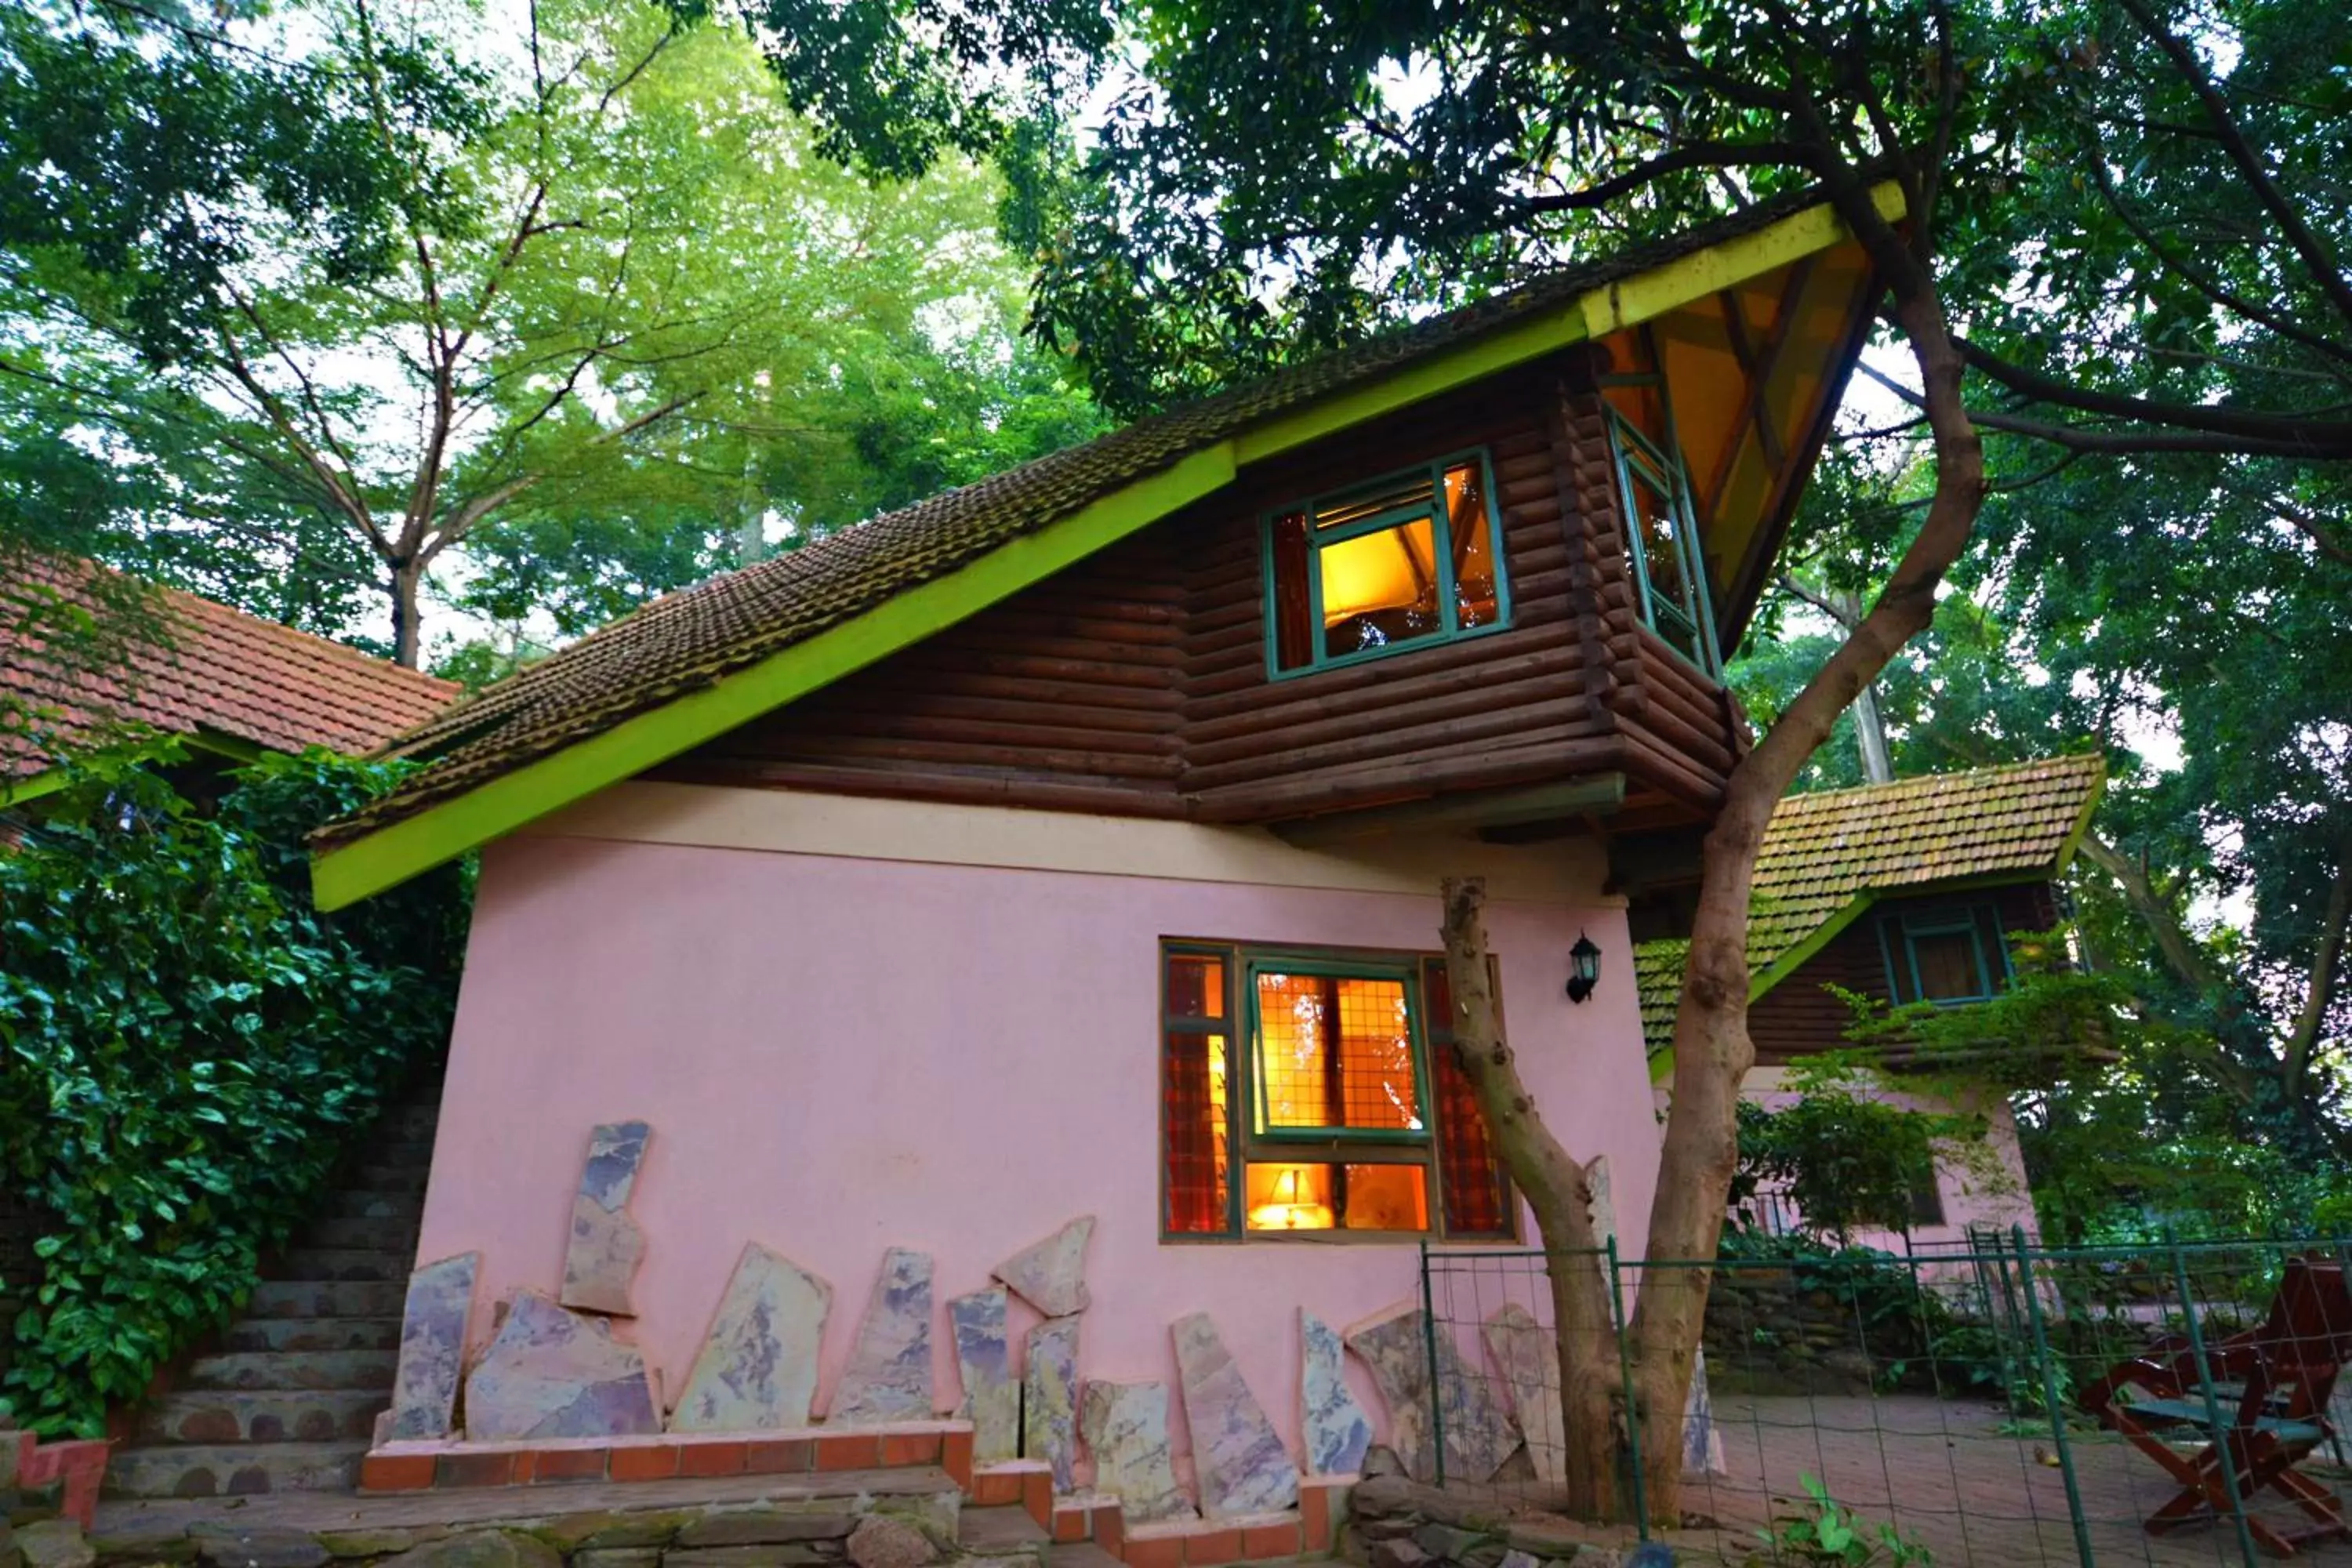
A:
1136	682
1800	1017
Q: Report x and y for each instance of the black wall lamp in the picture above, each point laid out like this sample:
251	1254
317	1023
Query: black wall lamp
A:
1584	968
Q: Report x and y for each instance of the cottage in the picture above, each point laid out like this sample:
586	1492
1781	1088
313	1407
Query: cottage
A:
227	686
1899	893
996	945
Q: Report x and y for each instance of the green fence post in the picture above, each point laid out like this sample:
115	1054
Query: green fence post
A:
2222	1436
2057	1409
1625	1378
1436	1379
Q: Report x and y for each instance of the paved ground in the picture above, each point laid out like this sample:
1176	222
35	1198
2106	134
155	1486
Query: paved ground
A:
1945	1473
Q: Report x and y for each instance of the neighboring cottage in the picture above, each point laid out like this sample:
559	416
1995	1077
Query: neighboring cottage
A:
1006	931
1900	892
228	685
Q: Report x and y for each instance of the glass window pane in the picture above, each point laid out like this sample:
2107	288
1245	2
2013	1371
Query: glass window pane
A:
1335	1052
1318	1196
1379	588
1293	615
1196	985
1476	603
1948	966
1654	520
1200	1170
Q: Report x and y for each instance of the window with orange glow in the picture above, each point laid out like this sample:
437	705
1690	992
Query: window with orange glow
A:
1298	1096
1404	561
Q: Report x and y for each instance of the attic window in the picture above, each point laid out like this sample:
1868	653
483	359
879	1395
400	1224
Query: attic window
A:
1668	569
1403	561
1947	957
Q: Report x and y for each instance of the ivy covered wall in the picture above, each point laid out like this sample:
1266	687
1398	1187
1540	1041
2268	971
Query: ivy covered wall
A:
185	1047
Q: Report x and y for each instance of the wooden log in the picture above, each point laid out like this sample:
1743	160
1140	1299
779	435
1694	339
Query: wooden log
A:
1540	758
1210	700
1043	760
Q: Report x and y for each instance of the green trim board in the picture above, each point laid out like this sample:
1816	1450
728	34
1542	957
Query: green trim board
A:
345	873
384	858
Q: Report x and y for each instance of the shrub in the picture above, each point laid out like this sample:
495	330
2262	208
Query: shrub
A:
187	1046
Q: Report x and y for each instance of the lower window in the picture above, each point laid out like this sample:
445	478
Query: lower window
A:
1309	1091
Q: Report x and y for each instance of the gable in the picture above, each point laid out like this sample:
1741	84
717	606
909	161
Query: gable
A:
697	664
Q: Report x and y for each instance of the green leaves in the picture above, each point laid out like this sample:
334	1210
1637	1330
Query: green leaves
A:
186	1050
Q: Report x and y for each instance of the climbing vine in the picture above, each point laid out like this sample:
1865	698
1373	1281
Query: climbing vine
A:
187	1044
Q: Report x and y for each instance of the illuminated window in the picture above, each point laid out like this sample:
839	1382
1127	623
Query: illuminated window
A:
1399	563
1321	1098
1668	569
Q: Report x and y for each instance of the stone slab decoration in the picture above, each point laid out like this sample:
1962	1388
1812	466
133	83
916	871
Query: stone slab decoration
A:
889	1372
1480	1434
1334	1425
1238	1461
1125	1426
991	1396
432	1348
600	1264
757	1367
1528	1356
1702	1444
557	1374
1050	1275
1049	1401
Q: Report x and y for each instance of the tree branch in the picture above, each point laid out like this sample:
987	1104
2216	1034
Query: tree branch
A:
2322	993
2299	235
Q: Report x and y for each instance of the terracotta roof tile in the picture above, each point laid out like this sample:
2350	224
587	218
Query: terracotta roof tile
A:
688	640
1825	850
215	669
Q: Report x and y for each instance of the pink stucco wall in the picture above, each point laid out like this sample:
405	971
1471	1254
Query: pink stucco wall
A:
840	1055
1981	1186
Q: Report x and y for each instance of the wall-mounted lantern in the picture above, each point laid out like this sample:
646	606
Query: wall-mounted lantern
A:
1584	968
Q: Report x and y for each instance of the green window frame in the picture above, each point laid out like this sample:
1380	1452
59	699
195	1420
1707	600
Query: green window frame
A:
1317	541
1901	932
1684	620
1250	1134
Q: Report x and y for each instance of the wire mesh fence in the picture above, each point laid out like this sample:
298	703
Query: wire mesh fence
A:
1989	1401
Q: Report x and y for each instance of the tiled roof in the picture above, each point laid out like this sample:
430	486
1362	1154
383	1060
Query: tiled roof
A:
212	668
1822	851
686	640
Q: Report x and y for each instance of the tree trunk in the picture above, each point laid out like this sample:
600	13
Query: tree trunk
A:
1556	1188
1712	1048
407	578
1869	724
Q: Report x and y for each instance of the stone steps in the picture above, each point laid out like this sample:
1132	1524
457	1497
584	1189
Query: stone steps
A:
271	1416
336	1263
996	1531
366	1202
238	1469
368	1233
327	1299
287	1402
280	1368
250	1334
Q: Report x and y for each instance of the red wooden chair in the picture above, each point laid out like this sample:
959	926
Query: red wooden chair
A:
2270	1386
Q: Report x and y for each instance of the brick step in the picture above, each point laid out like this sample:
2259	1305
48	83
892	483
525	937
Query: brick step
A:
313	1335
317	1416
1078	1555
328	1299
343	1263
362	1203
206	1471
385	1233
286	1371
